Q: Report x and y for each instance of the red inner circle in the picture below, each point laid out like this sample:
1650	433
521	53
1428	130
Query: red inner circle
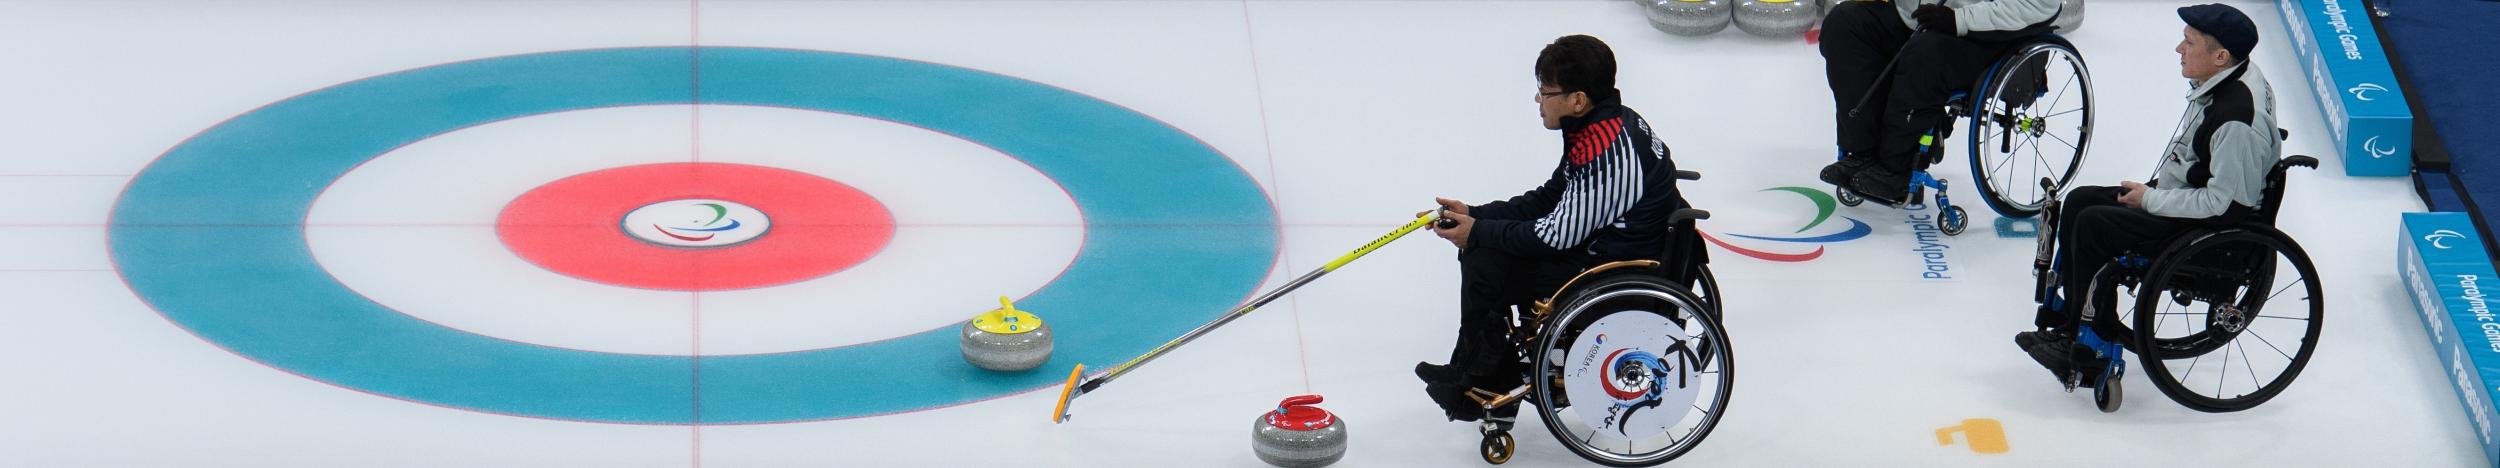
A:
573	226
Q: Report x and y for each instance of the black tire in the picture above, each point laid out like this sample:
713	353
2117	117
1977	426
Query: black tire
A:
1632	293
1953	221
2109	395
2198	271
1497	448
1709	291
2021	98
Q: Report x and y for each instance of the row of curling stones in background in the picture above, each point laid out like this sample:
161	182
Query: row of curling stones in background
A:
1298	435
1775	18
1006	340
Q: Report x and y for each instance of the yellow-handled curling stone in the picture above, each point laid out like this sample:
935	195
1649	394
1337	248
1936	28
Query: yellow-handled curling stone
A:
1006	340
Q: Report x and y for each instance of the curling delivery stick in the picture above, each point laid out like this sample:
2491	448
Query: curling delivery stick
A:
1073	388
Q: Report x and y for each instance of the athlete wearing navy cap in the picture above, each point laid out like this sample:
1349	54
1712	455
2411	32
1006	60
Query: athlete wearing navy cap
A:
2212	173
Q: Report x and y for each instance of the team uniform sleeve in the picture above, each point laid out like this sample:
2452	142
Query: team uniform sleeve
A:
2238	175
1590	197
2002	15
1536	202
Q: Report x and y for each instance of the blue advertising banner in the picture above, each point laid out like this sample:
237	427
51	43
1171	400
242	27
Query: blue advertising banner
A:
2357	92
2441	260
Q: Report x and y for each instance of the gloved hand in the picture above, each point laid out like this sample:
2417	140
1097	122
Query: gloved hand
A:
1933	17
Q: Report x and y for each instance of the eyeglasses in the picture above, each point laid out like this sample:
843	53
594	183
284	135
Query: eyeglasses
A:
1541	95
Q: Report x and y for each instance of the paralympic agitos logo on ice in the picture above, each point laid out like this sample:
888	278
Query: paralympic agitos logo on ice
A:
1824	207
1928	238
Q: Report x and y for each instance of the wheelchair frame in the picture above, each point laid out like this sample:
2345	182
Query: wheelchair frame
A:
1537	334
2207	270
1964	104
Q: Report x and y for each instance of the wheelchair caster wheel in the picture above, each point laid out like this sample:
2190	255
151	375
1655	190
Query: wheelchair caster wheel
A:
1497	447
1955	219
2108	396
1847	197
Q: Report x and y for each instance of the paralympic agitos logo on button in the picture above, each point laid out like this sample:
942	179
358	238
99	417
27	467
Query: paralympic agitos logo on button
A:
696	223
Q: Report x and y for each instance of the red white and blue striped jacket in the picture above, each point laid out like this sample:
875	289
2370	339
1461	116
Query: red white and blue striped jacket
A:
1608	198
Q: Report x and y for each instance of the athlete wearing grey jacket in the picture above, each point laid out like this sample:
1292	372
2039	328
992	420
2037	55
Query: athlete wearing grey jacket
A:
2212	172
1931	48
2216	165
1984	15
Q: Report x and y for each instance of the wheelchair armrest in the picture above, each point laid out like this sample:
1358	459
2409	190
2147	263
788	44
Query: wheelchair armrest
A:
1687	215
1687	175
2270	199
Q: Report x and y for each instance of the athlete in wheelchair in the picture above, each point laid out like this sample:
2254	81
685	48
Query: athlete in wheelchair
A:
1999	63
1602	259
2223	309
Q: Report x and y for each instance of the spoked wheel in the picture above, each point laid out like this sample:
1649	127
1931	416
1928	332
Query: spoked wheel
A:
1643	372
1954	221
2235	317
2033	120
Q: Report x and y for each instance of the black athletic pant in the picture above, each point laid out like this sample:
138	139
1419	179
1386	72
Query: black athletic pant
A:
2092	229
1490	281
1859	38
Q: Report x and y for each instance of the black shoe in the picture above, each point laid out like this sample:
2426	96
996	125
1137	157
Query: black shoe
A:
2064	357
1454	402
1881	183
1436	374
2028	339
1839	173
2052	350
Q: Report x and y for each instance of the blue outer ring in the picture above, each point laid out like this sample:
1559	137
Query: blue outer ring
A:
212	236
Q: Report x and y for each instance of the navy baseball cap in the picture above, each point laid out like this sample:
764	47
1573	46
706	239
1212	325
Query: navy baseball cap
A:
2227	25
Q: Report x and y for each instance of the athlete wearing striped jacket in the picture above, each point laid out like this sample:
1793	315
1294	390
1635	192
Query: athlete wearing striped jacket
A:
1608	199
1592	205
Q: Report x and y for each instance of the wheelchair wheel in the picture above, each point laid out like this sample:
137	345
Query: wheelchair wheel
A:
1497	448
1635	371
2032	120
1953	221
1708	291
2126	291
2233	317
2109	395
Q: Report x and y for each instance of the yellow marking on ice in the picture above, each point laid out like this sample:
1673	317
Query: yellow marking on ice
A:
1985	435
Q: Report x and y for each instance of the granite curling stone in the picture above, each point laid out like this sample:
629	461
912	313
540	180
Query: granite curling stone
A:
1006	340
1298	435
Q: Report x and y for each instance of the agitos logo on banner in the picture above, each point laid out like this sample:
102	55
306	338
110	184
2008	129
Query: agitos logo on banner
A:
1824	206
2357	93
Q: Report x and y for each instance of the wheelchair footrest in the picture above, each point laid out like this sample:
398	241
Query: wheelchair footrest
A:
2105	348
1492	400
